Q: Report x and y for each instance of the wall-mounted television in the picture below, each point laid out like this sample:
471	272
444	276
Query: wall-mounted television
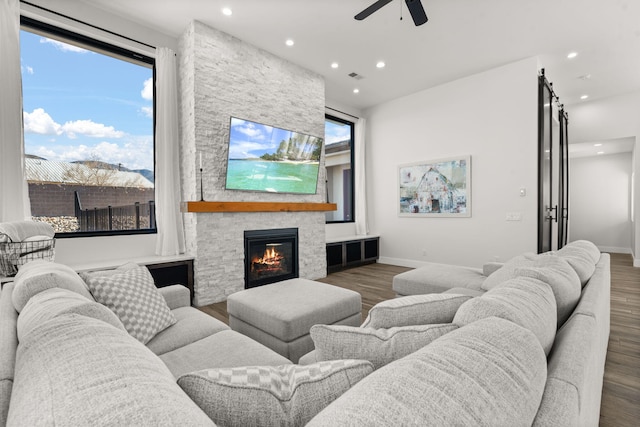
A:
271	159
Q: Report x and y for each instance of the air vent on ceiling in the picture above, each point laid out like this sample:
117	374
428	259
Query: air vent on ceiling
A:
356	76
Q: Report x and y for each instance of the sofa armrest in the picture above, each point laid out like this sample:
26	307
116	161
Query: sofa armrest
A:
176	296
491	267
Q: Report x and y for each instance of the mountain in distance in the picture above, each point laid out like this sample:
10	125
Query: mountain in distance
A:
104	165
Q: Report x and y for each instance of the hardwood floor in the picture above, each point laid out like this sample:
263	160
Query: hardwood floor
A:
621	389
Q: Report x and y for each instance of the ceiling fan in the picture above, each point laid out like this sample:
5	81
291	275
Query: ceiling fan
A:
415	9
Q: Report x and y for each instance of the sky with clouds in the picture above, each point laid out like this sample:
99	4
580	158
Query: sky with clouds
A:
251	140
80	105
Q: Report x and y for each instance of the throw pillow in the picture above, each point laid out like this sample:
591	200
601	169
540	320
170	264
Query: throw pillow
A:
507	271
379	346
582	256
527	302
55	302
563	280
287	395
39	275
489	373
414	310
131	294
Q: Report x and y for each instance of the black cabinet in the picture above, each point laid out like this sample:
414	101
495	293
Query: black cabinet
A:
352	253
173	273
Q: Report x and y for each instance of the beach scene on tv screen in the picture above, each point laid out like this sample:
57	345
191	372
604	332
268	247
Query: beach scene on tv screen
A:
267	158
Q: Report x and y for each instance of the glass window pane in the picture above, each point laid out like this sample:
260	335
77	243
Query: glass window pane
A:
339	164
88	135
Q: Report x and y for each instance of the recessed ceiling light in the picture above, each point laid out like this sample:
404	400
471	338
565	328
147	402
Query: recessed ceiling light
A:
597	145
356	90
380	64
572	55
289	42
600	152
227	11
334	65
584	96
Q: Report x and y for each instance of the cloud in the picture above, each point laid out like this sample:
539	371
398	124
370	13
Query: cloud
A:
27	69
253	131
337	134
134	152
41	123
63	46
147	111
245	149
91	129
147	90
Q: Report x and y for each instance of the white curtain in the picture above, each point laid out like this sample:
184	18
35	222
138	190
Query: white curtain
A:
362	225
168	217
14	192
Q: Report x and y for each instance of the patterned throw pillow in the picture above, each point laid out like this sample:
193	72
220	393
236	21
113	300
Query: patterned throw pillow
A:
131	294
379	346
286	395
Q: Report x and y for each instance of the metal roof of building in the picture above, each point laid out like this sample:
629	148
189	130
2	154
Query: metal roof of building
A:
54	171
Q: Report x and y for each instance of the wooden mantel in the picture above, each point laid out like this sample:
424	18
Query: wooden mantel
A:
255	207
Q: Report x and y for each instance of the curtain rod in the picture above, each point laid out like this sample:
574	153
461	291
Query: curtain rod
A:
87	24
341	112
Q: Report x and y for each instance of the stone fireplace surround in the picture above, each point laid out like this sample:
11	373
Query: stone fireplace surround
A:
221	76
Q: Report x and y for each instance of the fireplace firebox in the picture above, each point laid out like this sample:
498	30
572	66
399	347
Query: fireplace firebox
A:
270	256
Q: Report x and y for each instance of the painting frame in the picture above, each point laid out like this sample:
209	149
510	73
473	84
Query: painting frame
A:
439	188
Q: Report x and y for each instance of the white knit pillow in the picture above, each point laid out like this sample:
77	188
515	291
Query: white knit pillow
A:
379	346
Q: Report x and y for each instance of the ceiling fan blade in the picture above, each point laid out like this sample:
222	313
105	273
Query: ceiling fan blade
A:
417	12
373	8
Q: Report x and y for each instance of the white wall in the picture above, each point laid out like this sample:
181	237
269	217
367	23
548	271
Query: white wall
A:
611	118
491	116
599	201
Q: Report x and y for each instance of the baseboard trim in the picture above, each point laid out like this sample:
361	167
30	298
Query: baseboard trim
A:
401	262
615	249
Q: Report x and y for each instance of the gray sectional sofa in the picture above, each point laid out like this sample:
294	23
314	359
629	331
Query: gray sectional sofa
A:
527	350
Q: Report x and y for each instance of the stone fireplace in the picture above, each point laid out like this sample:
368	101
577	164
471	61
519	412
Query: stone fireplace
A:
221	76
270	256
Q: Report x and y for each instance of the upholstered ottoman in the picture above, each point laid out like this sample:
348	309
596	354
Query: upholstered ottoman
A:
280	315
435	278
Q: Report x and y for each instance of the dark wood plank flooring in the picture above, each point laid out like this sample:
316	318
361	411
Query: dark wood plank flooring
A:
621	390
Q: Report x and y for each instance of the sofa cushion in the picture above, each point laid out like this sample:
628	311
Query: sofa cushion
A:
488	373
54	302
506	272
226	349
379	346
570	375
563	280
436	278
191	325
75	370
414	310
287	395
132	295
526	302
582	256
40	275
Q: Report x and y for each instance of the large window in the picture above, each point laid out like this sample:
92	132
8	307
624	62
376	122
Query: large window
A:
88	133
339	136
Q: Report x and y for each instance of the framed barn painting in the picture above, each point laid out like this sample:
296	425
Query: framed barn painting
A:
436	188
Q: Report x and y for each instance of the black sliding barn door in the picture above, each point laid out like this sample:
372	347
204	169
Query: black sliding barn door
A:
553	170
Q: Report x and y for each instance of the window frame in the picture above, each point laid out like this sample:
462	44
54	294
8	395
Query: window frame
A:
47	30
352	126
